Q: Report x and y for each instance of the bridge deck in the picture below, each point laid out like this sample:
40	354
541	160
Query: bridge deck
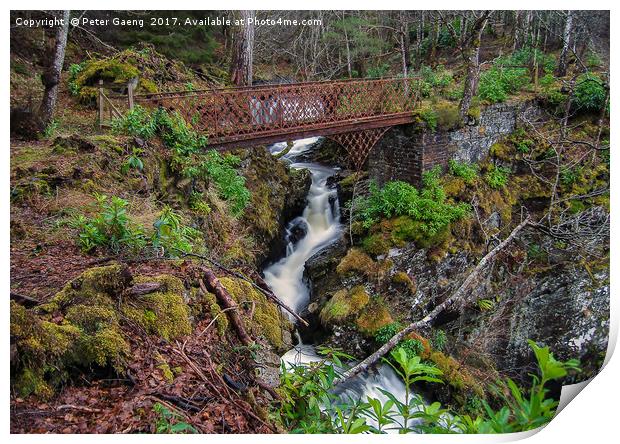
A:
272	113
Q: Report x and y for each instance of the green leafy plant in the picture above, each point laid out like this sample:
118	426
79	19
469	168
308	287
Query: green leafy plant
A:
497	177
189	156
110	228
498	83
309	406
133	162
386	332
466	171
427	206
74	71
439	339
170	422
412	347
51	129
171	235
589	93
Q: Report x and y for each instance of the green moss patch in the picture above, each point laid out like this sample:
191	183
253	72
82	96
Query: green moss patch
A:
374	316
343	304
80	326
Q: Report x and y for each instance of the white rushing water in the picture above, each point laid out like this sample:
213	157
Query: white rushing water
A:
321	219
286	277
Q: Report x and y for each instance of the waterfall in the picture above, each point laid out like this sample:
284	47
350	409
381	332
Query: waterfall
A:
320	223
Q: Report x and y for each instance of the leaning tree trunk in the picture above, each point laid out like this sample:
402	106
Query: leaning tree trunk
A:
563	62
471	55
51	78
243	50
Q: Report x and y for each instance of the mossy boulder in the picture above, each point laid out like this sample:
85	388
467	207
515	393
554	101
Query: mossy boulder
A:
81	326
344	304
376	314
356	262
164	313
264	318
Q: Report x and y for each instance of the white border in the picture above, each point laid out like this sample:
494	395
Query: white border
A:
592	418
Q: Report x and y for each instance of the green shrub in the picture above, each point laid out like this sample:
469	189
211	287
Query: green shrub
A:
429	116
589	93
189	157
113	230
466	171
439	339
133	162
428	206
497	83
412	347
497	177
378	71
110	228
171	235
386	332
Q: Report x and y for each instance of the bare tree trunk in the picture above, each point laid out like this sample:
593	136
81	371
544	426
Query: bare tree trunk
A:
517	31
243	50
563	62
471	55
51	78
460	294
346	40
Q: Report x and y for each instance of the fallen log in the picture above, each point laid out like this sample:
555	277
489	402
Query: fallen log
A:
424	323
211	283
24	300
261	286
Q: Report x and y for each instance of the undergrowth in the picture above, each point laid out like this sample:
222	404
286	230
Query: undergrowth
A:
189	155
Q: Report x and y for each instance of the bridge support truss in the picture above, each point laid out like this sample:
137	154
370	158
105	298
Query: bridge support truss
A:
358	144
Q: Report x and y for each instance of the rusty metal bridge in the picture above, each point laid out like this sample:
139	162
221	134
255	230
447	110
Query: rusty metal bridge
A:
355	113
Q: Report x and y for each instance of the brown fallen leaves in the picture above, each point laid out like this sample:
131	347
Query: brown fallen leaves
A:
187	377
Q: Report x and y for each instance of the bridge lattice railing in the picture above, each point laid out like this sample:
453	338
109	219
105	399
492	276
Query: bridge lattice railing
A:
234	114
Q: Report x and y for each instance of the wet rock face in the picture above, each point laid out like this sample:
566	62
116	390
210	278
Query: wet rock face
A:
569	312
285	192
296	230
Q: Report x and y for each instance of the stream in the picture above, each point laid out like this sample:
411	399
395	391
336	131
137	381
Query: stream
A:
320	226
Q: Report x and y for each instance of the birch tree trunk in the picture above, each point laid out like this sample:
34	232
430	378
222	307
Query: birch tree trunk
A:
51	78
563	62
243	50
471	56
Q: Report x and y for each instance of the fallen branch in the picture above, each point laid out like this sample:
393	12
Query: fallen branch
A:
262	286
213	284
24	300
424	323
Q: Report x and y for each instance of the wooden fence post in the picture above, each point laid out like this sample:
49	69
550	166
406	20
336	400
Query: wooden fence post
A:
130	86
100	100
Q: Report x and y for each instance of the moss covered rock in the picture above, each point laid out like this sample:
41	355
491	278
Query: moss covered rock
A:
81	326
164	313
376	314
343	304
